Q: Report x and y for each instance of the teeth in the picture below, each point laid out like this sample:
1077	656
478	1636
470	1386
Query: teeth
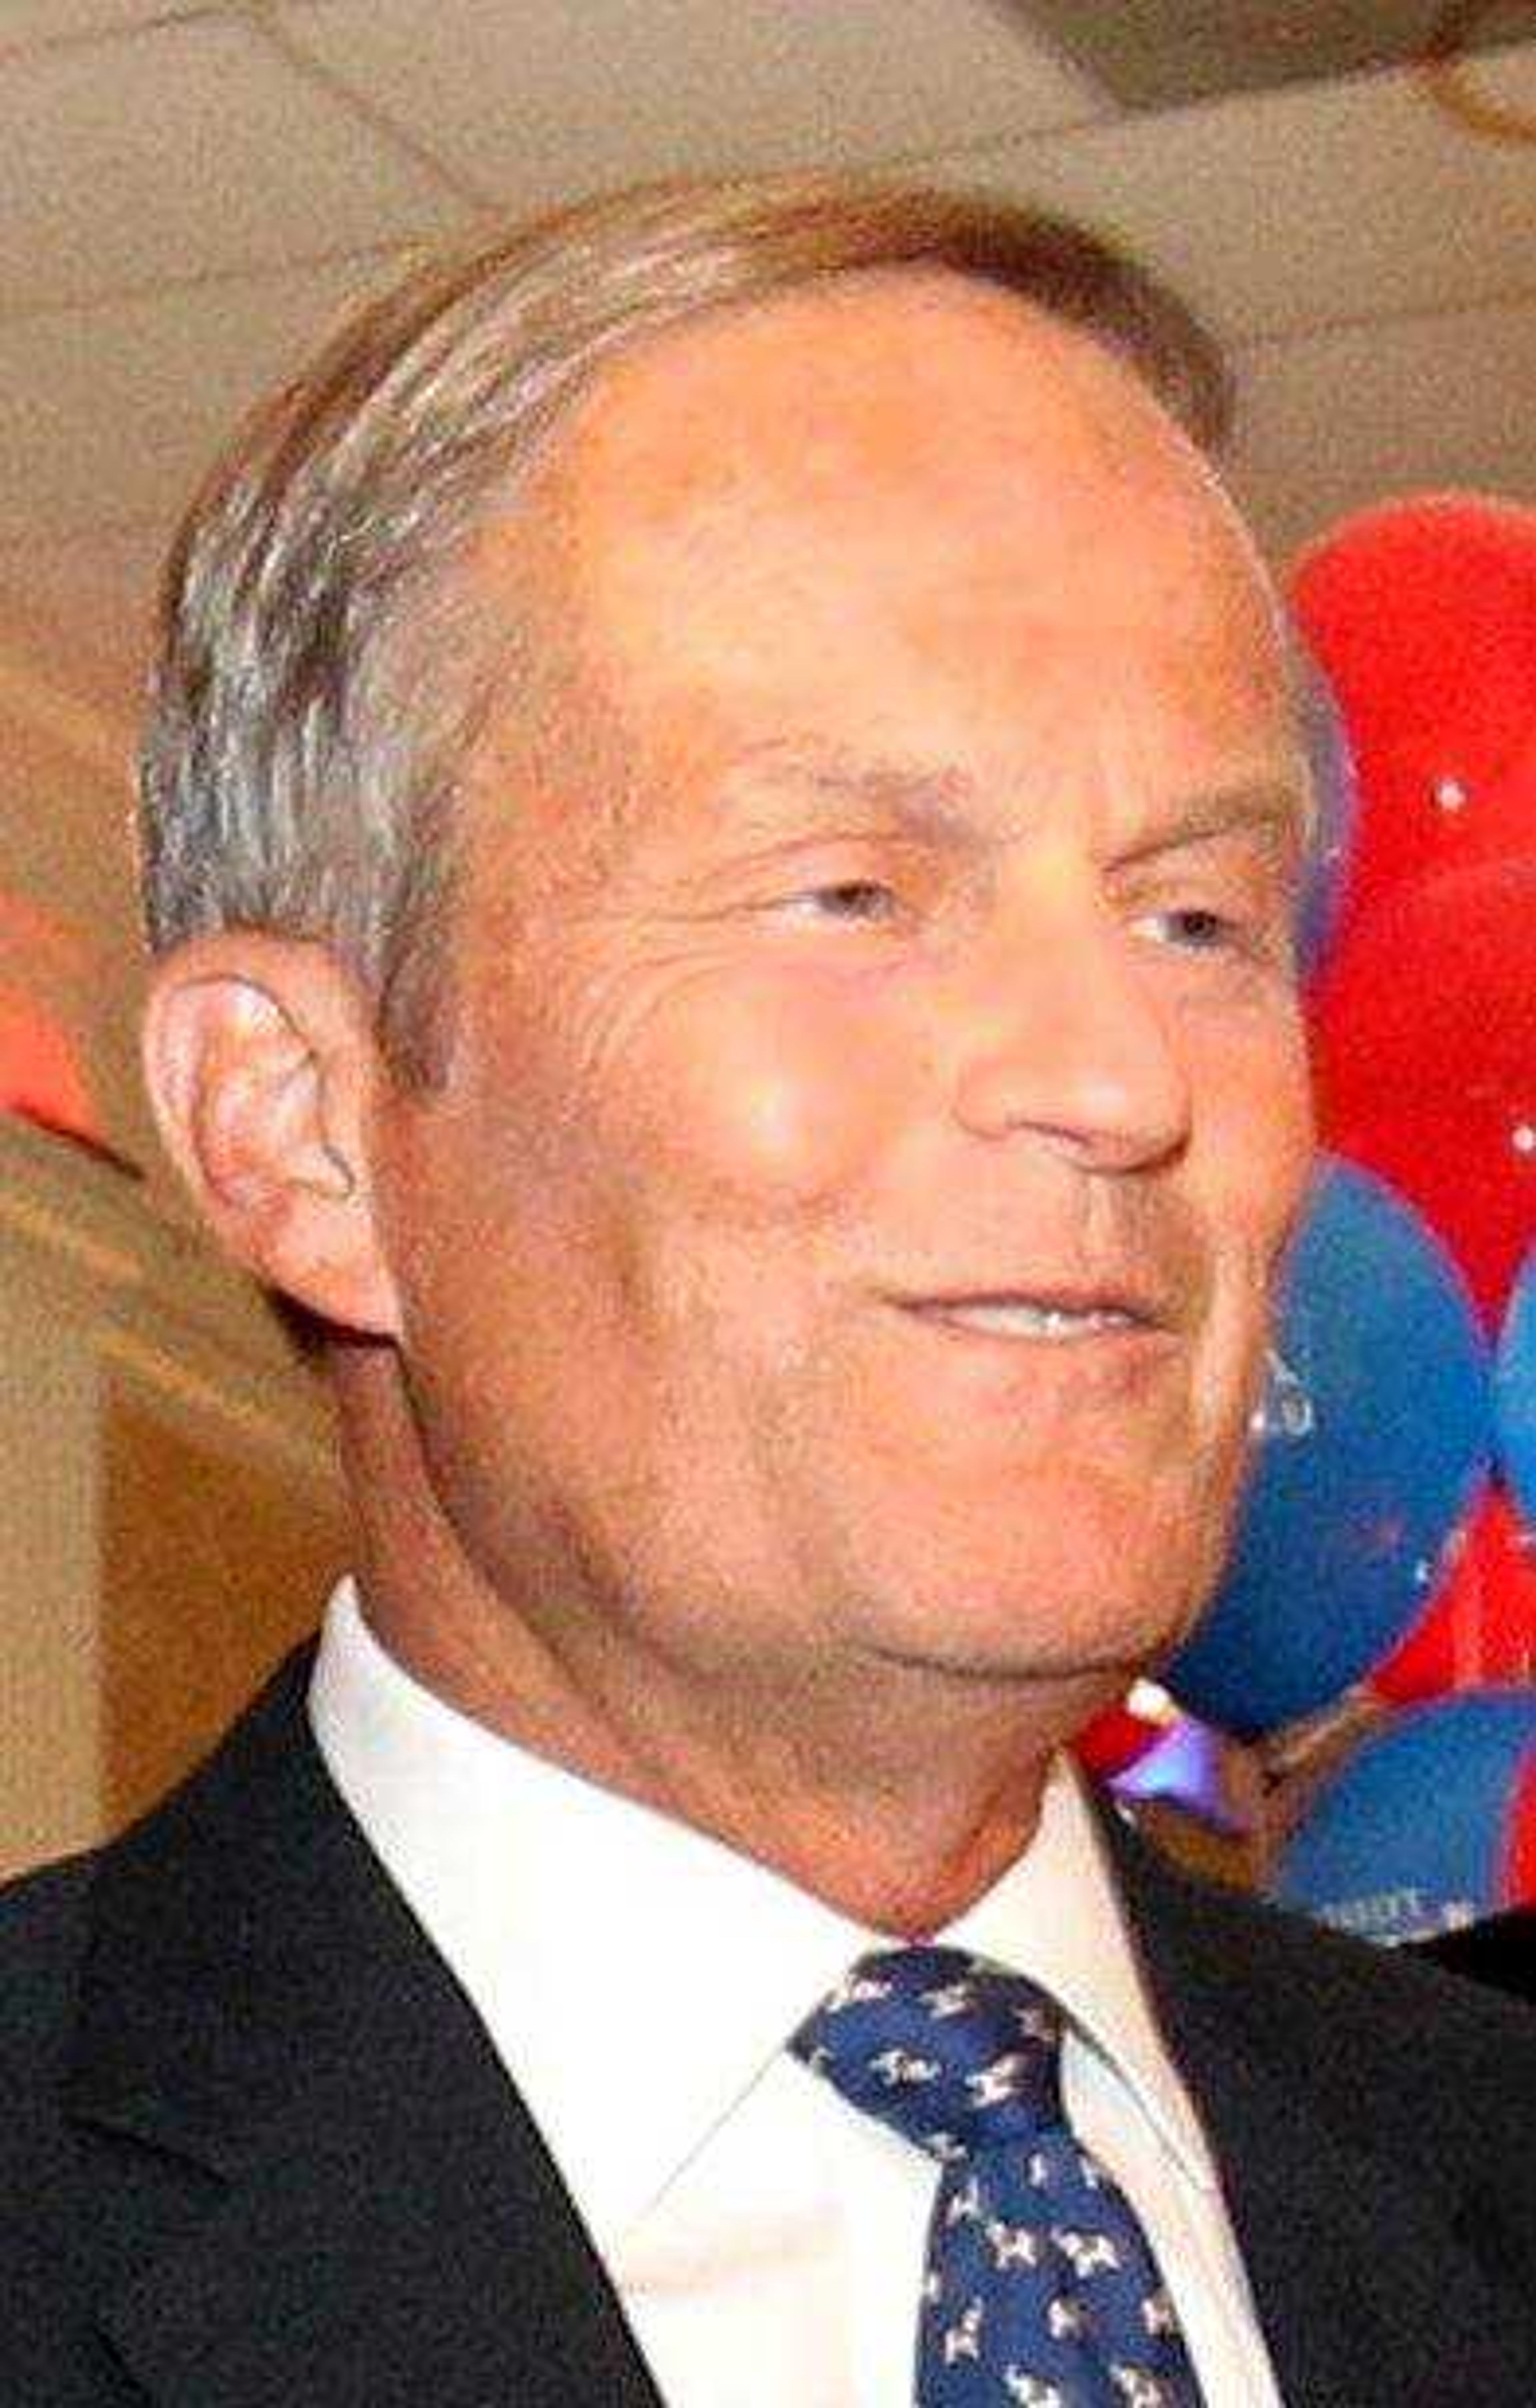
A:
1048	1321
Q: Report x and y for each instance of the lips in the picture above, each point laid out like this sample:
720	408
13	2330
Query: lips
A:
1028	1318
1043	1315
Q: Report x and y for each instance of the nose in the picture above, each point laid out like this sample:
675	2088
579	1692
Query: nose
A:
1060	1034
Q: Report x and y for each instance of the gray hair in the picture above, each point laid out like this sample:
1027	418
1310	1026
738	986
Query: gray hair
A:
323	670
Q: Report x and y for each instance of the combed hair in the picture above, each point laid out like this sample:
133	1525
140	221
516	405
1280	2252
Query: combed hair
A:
321	668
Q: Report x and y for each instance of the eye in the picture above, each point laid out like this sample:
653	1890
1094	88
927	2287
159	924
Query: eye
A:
1196	928
860	900
1254	938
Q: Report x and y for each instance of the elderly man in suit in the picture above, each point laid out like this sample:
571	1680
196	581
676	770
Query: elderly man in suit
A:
721	824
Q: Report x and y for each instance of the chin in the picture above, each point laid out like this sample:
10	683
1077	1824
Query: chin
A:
1042	1631
1092	1575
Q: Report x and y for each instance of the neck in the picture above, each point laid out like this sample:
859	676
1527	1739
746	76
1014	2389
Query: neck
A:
897	1793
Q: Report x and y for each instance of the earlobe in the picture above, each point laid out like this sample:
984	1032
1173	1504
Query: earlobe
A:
259	1066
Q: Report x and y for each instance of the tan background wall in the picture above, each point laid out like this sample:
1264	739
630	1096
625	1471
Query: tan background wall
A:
212	1563
169	1515
50	1701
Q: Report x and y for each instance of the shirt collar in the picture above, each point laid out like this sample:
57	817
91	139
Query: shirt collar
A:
636	1977
1057	1915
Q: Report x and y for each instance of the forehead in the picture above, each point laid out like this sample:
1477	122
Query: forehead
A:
883	366
898	504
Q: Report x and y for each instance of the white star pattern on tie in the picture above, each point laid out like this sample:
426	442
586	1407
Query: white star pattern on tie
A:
1039	2285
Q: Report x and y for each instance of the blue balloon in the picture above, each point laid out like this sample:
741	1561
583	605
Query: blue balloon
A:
1514	1390
1415	1832
1370	1454
1336	790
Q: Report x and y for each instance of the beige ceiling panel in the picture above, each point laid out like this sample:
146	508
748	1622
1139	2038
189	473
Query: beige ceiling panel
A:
1338	421
1306	207
185	150
545	101
107	416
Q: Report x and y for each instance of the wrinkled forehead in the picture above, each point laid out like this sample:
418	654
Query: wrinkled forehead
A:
777	500
876	385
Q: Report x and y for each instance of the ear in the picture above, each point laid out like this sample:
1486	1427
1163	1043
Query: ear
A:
264	1072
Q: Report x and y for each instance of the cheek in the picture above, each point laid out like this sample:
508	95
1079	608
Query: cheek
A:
1258	1150
765	1101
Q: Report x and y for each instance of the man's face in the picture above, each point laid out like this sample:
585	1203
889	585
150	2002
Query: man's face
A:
877	1098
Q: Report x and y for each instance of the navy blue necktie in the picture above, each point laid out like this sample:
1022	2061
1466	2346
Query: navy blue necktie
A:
1039	2287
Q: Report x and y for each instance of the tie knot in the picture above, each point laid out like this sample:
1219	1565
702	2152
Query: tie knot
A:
950	2051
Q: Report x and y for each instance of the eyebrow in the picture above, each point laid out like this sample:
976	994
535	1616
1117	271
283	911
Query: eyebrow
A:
1266	806
927	804
930	803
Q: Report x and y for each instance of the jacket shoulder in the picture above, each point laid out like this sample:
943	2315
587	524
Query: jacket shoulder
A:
44	1919
1396	2053
1363	1987
48	2246
85	2203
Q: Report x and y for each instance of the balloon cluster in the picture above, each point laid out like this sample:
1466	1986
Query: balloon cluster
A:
1385	1546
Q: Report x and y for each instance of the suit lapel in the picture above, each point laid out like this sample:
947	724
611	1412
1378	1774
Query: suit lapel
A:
352	2208
372	2217
1375	2271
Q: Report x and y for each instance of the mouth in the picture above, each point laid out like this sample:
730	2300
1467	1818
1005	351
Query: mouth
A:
1042	1317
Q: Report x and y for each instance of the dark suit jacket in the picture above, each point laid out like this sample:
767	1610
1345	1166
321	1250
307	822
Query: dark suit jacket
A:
1500	1951
256	2151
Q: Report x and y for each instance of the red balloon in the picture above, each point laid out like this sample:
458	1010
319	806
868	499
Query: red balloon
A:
1423	613
1114	1739
1480	1624
1425	1050
1507	1620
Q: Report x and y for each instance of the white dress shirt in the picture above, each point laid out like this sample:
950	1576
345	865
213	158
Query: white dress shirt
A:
639	1981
